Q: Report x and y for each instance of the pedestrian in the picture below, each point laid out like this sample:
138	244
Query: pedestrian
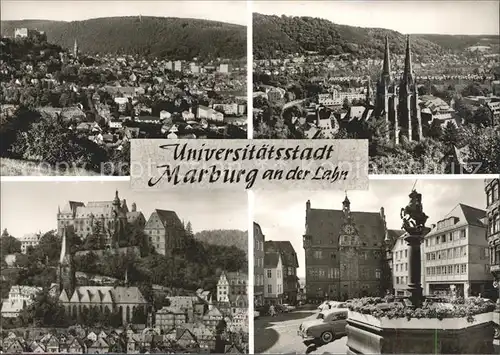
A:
272	311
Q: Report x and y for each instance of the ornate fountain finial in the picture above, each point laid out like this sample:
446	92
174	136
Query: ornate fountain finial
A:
413	215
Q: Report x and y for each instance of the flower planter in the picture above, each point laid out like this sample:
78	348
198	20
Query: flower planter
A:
370	335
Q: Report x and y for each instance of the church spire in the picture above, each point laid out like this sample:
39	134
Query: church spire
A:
386	71
408	72
116	201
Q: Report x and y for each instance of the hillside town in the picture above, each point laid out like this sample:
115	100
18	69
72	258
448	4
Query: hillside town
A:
103	101
403	103
85	288
366	259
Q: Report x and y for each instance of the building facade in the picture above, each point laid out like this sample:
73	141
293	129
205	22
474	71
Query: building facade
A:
231	285
166	231
29	240
290	264
397	103
400	275
345	253
456	256
108	218
492	189
273	278
258	269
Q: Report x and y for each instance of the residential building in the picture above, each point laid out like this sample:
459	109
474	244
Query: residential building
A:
230	285
19	297
177	65
170	317
224	68
290	264
29	240
456	255
400	275
165	230
258	288
345	253
273	278
492	189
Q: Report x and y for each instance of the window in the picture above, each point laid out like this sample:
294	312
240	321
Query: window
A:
397	280
278	274
443	238
450	269
406	253
269	288
321	273
462	234
463	251
406	266
427	256
438	239
318	254
336	272
397	267
463	269
450	237
457	269
427	243
377	274
269	273
330	273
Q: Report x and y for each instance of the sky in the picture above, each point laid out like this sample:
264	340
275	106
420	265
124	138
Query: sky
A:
77	10
437	17
282	215
29	207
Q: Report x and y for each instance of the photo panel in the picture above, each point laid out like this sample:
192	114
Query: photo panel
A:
95	267
79	85
423	90
379	271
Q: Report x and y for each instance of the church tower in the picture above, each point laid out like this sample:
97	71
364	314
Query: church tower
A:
75	49
66	272
386	103
409	109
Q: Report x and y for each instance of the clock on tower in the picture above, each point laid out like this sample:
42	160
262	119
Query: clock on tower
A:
348	229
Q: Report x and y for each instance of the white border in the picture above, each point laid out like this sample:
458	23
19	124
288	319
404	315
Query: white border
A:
251	277
434	177
249	70
67	178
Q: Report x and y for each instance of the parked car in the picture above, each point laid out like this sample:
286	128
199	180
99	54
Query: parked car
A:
289	307
281	308
326	327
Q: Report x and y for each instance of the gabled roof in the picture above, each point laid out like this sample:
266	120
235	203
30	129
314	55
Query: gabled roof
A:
285	248
168	218
326	225
473	215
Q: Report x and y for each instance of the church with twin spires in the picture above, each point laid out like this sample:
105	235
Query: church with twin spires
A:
397	103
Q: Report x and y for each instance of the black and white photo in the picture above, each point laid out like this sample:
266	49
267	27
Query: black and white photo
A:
405	267
95	267
80	79
419	80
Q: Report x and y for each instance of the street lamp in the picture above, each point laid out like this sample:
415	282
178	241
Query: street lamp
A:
414	220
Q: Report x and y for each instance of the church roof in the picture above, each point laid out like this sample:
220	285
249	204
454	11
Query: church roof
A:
326	225
71	206
108	294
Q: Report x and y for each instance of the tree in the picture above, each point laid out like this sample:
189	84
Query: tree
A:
9	244
482	116
139	316
189	229
435	130
45	310
450	134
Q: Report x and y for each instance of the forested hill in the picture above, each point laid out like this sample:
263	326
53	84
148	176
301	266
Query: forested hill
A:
291	34
173	38
460	42
225	237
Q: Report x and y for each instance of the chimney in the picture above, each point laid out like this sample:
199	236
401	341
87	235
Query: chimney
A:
382	213
308	205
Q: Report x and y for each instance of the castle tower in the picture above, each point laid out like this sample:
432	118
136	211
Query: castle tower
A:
66	272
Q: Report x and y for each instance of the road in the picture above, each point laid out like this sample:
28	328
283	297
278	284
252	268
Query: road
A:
278	335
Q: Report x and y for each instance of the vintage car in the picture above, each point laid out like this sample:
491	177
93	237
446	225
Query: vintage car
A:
289	307
329	325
